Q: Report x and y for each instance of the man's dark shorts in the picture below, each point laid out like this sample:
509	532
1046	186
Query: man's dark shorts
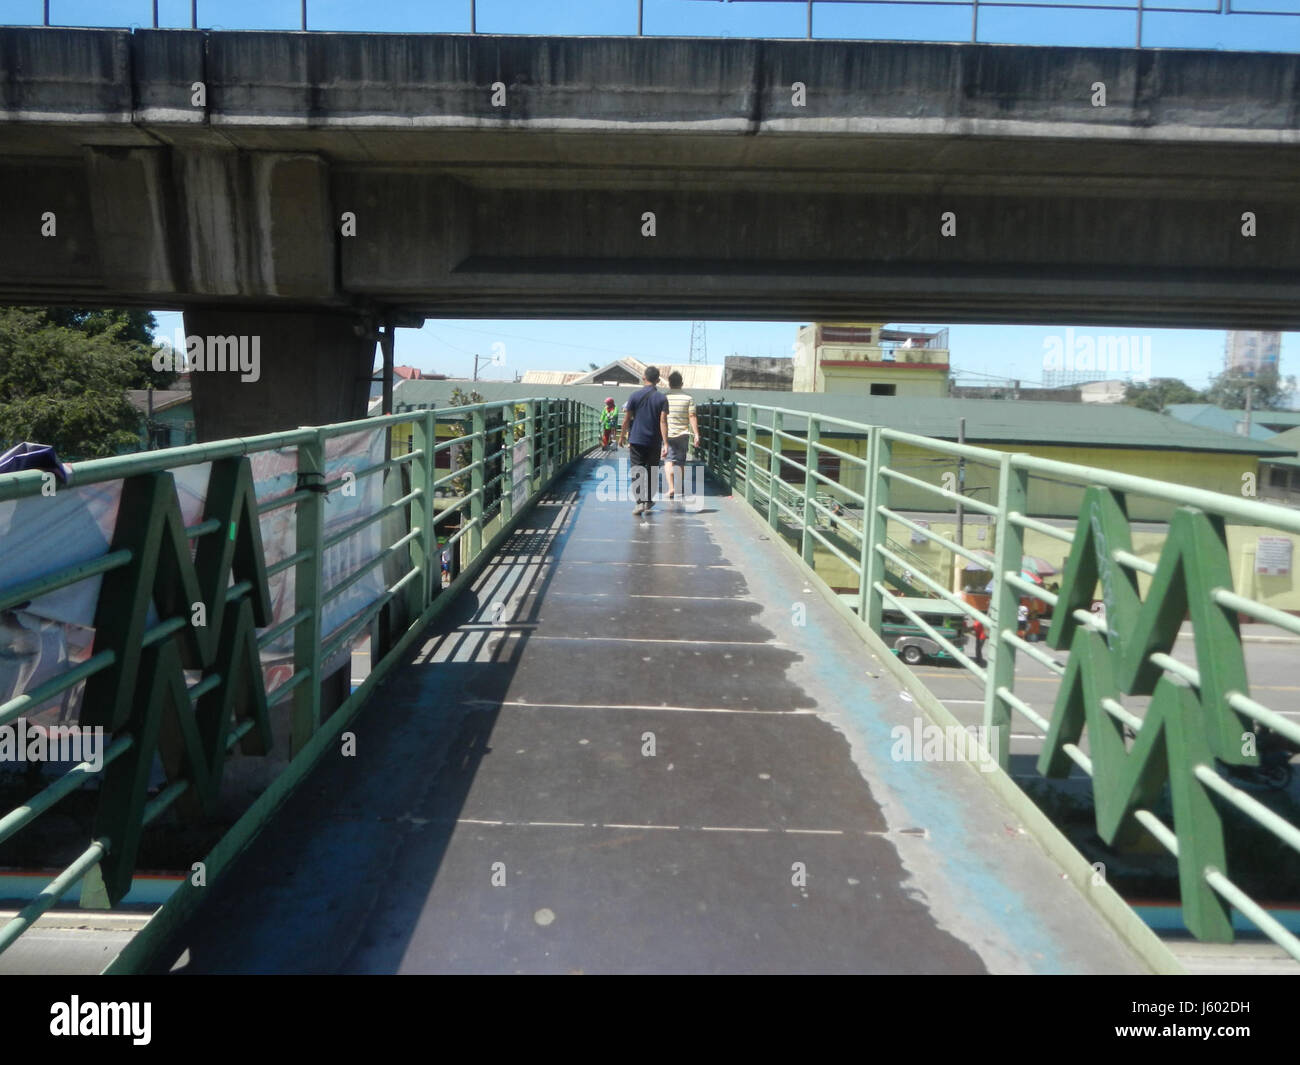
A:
677	449
647	458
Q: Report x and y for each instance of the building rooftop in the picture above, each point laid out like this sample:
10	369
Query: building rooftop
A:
988	421
550	377
162	398
627	372
1225	421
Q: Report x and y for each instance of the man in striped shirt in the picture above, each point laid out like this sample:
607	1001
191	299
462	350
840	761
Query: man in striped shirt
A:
682	426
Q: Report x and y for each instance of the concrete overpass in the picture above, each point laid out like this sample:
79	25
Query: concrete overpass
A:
512	176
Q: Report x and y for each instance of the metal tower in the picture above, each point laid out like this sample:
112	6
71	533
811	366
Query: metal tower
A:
699	345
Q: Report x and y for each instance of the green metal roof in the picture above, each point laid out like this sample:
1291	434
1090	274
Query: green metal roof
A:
988	421
1289	418
1220	419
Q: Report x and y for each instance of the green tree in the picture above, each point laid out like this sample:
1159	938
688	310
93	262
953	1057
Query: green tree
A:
1271	392
135	331
1159	393
66	386
462	453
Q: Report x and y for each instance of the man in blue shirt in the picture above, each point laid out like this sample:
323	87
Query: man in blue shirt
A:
647	419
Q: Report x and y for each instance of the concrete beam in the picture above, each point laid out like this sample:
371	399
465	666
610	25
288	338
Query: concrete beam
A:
133	211
257	224
1128	213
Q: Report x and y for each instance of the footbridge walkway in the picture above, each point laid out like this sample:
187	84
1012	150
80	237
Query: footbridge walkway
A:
603	742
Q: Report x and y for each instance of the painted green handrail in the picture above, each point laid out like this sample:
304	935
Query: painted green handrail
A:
137	690
1197	714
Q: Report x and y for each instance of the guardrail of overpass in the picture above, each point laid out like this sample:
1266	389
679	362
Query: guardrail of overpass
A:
1198	719
196	597
1137	8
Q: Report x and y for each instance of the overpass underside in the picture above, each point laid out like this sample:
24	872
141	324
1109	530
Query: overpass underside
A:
448	175
618	754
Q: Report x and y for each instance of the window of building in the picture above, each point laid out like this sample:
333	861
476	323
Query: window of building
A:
878	389
1277	476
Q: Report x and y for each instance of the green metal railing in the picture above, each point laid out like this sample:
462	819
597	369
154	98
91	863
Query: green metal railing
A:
1196	718
137	687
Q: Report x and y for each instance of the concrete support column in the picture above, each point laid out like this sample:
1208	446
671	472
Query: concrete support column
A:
265	371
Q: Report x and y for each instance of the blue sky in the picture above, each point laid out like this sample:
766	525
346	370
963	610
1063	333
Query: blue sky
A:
980	354
905	20
996	351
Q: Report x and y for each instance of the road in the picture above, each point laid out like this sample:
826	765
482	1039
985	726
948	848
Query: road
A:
1271	667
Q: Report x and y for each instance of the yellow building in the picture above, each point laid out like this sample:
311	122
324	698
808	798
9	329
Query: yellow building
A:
1119	439
866	359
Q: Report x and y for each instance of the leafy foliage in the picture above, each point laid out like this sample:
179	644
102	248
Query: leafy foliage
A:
1159	393
462	454
136	331
65	384
1270	392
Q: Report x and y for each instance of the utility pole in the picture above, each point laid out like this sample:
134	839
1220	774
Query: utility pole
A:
961	491
386	347
1250	397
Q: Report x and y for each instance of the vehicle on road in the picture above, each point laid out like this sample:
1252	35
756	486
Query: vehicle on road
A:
914	645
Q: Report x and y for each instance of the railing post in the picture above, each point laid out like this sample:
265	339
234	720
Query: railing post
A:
875	528
711	437
1013	494
530	434
507	464
749	454
774	470
548	438
307	580
543	441
717	445
808	545
425	554
476	479
557	436
733	443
